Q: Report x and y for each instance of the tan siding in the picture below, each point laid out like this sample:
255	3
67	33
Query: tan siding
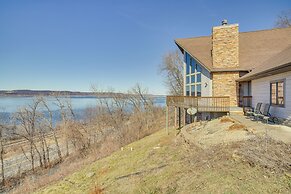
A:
206	83
261	93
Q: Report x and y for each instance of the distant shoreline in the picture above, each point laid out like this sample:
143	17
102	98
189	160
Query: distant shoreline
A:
34	93
45	93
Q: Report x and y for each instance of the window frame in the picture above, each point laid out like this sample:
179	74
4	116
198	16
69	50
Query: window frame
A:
192	66
284	93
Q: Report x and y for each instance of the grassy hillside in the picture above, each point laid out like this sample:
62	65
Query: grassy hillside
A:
163	163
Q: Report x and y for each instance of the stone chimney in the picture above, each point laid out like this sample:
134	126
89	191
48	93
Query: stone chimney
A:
225	45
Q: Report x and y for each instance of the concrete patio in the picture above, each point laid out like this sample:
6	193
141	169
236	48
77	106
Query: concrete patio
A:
277	132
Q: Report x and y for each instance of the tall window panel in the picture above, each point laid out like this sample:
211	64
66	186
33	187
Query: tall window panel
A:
193	76
187	90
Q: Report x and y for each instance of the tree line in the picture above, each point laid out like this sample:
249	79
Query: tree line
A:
113	123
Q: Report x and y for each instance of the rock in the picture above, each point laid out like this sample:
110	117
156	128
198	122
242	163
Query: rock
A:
90	174
236	157
288	174
250	130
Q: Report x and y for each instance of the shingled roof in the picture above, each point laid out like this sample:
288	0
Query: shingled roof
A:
254	48
277	64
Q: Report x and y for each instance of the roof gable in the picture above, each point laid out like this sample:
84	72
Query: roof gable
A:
254	47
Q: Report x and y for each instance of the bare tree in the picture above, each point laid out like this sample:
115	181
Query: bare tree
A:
172	69
284	19
118	119
128	116
66	111
113	112
44	148
3	126
2	154
28	117
49	123
143	107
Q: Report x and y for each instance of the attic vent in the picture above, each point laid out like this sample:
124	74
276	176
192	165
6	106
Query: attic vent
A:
224	22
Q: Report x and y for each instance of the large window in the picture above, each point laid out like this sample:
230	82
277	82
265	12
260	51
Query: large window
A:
278	93
187	59
193	76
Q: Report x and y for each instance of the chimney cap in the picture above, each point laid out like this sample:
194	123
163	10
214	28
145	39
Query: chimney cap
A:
224	22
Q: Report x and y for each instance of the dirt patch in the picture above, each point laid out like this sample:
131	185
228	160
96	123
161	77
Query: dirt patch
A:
96	190
256	149
237	126
226	120
246	164
140	172
215	132
262	152
104	171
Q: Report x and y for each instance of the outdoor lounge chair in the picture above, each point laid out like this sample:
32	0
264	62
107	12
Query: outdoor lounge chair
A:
265	115
257	110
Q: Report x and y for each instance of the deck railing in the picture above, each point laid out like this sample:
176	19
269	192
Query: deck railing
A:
202	104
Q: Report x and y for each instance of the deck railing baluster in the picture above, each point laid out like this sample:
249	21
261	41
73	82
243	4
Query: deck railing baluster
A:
202	104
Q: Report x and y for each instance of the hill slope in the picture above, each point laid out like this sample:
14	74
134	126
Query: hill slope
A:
162	163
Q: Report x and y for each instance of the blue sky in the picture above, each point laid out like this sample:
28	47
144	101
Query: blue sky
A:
70	45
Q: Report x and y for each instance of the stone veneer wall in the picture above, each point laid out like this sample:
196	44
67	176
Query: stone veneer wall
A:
224	84
225	46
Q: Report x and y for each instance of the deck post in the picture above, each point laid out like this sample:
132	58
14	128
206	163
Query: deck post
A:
167	120
184	117
179	112
175	116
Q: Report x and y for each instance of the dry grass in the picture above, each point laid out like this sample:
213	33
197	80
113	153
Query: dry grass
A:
163	163
78	160
71	164
267	152
48	176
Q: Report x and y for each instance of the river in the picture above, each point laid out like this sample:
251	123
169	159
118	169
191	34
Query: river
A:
10	105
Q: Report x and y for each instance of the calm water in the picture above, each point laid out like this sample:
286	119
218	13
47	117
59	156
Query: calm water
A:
9	105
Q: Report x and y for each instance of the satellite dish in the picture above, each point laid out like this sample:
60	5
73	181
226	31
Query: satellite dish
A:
191	111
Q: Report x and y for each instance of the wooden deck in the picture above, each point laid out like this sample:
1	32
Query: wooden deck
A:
217	104
202	104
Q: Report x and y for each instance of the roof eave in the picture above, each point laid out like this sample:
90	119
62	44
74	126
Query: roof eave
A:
180	48
276	70
183	49
230	70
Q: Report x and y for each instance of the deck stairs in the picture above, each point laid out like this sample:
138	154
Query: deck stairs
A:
236	110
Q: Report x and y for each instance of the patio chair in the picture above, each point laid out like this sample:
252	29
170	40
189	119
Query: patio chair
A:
257	110
265	115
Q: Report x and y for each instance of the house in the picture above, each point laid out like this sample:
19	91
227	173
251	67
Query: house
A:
224	71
